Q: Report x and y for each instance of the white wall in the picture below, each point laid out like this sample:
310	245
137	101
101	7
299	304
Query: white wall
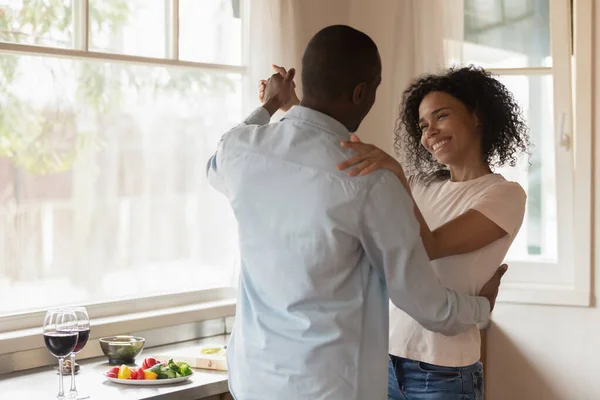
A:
544	352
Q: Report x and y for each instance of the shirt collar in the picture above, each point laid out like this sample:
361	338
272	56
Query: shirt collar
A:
319	119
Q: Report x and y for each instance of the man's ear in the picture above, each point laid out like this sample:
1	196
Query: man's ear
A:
360	93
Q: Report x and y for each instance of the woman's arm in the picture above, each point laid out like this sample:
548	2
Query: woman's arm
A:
464	234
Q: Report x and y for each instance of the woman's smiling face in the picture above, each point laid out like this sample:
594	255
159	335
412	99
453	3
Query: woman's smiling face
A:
449	130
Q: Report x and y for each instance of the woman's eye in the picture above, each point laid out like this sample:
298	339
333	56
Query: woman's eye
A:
442	116
423	127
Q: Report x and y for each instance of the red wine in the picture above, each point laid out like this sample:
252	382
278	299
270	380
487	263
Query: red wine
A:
61	344
84	335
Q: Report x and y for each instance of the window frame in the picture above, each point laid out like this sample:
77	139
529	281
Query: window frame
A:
568	281
163	310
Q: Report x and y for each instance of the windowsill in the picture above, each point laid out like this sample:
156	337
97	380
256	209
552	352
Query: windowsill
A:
25	349
42	382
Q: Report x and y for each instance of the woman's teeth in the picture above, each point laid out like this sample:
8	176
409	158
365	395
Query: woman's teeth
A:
438	145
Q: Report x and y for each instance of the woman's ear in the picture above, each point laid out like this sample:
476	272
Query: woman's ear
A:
476	120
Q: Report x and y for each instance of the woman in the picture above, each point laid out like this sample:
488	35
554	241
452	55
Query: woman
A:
458	126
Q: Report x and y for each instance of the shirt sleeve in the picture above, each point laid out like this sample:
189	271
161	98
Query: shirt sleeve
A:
214	167
390	237
504	205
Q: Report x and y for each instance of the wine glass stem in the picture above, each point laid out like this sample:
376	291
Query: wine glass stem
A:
61	392
73	387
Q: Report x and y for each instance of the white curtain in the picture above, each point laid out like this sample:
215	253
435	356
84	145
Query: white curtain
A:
453	32
414	37
270	39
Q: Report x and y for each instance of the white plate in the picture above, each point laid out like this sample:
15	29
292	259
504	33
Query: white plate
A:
149	382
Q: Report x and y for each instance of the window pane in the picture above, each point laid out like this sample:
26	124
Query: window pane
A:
537	240
43	23
103	192
210	31
133	27
494	32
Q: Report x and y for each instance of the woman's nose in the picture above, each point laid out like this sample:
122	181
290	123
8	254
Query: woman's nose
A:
432	130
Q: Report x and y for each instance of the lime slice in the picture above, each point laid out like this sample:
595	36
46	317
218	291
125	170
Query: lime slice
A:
211	350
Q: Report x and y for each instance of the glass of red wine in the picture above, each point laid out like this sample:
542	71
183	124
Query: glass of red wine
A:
60	335
83	327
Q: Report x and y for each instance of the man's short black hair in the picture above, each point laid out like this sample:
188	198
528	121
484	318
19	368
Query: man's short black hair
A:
337	59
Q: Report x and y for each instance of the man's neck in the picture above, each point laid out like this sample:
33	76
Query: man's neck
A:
328	109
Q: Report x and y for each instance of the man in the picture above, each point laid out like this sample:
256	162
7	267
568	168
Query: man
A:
321	252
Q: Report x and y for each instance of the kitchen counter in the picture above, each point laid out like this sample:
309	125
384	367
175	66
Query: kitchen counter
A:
42	383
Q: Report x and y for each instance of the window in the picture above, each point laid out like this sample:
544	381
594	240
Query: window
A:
104	136
135	27
29	22
216	25
549	259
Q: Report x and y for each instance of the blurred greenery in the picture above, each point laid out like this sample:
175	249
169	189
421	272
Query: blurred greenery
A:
47	139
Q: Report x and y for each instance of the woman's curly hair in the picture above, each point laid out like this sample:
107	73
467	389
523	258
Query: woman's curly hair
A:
505	136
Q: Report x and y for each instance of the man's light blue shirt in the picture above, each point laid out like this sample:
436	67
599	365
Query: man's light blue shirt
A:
322	253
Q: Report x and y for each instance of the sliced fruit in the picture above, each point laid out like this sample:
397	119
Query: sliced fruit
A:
150	375
124	372
211	350
111	375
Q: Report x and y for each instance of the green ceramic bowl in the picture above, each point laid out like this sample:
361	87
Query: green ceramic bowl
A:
122	349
